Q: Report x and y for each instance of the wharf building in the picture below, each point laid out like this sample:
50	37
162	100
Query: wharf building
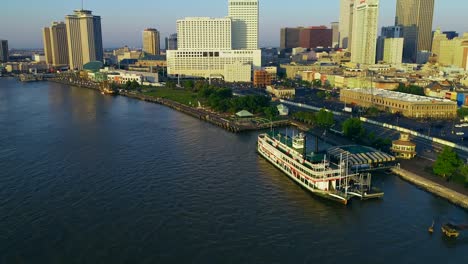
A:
412	106
415	17
4	50
84	38
364	33
151	41
56	44
225	48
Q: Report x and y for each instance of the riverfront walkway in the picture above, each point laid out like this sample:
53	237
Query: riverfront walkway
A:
433	187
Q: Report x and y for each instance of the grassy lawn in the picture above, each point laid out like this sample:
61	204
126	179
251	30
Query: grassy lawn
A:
178	95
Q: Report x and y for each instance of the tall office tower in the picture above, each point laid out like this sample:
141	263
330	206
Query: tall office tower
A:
172	42
364	39
56	44
436	39
84	38
313	37
387	32
345	24
4	50
289	38
393	50
151	41
47	45
244	15
335	26
415	17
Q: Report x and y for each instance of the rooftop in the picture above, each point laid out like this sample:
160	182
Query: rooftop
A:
400	96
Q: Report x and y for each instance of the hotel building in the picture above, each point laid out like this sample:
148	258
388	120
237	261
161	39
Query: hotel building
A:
218	47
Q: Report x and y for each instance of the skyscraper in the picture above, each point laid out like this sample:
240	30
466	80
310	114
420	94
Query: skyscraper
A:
393	50
171	42
364	36
244	15
436	39
56	44
47	45
4	50
289	38
346	22
313	37
151	41
218	47
335	26
84	38
415	17
387	32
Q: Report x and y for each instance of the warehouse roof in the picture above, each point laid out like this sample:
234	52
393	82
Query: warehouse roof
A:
400	96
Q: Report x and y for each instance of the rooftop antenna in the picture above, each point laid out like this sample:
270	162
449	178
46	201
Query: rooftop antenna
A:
82	8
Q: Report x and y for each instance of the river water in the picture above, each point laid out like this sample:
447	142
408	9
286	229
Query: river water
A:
87	178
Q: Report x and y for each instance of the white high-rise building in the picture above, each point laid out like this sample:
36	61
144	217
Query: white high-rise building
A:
346	22
393	50
244	15
364	39
202	33
218	47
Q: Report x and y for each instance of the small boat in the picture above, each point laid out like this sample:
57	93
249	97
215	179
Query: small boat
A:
431	228
450	230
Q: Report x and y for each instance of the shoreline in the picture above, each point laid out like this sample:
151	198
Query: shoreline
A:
429	186
199	113
436	189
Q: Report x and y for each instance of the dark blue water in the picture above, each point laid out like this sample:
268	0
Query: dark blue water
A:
86	178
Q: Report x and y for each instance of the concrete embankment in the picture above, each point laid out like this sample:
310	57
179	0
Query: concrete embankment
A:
434	188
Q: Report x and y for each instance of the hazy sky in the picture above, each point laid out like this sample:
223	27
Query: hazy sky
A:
123	21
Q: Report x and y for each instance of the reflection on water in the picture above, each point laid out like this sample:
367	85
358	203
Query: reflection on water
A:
88	178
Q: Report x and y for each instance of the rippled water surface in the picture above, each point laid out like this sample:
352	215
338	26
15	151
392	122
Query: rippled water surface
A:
86	178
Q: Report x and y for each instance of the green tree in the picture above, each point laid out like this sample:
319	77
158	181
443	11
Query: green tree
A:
325	118
462	112
271	112
188	84
170	84
464	173
353	129
317	83
411	89
447	163
372	111
321	95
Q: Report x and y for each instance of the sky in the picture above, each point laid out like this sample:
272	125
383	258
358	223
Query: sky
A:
124	20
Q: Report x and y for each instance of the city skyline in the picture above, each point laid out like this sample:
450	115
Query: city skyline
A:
165	22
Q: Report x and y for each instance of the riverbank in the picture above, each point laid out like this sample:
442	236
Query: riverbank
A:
433	187
203	114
